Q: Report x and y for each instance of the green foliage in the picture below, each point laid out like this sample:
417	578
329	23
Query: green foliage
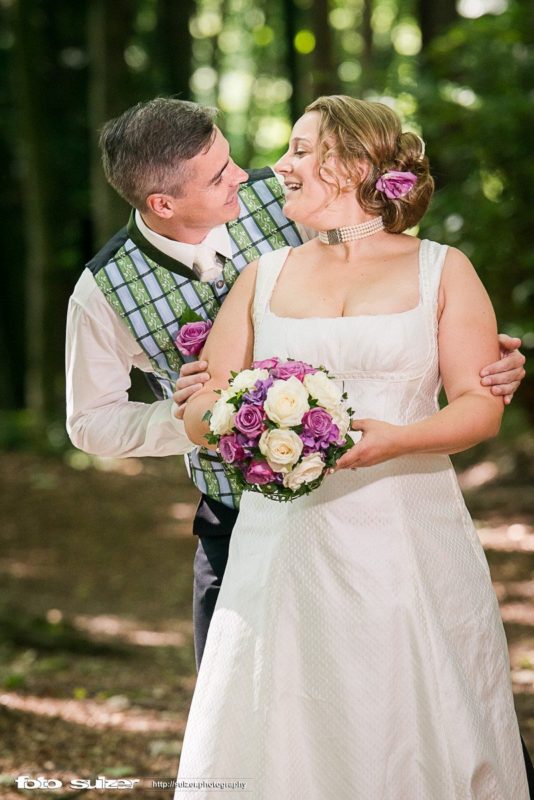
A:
476	107
469	90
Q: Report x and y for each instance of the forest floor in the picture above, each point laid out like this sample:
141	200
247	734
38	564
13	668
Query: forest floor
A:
96	657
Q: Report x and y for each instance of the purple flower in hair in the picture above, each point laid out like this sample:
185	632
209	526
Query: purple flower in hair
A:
395	184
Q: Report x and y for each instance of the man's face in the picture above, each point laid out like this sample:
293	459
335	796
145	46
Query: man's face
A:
212	180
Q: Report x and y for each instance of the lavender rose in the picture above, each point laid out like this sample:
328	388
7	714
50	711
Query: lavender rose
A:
259	472
230	449
191	337
266	363
396	184
319	430
249	420
288	368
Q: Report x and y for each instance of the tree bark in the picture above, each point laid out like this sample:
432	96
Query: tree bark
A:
30	78
435	17
324	73
292	71
110	93
174	46
366	59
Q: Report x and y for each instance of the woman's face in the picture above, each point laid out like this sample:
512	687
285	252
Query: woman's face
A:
307	192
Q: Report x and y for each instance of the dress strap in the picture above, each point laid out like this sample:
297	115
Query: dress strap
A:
269	268
431	261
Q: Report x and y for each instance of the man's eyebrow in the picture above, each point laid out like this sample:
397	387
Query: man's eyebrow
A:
218	175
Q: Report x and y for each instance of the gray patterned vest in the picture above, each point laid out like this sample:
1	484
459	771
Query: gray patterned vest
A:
149	290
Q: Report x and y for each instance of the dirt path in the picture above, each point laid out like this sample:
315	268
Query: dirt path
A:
96	660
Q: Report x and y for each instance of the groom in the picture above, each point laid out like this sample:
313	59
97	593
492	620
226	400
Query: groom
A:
197	220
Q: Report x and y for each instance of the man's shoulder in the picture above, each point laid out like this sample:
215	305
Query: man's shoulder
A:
106	253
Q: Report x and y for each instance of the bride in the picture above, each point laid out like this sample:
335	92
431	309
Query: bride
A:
356	651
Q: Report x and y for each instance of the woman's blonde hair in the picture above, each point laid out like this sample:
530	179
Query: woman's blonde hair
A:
369	135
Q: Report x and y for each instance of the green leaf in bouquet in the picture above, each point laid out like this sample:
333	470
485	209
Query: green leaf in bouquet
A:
207	416
189	316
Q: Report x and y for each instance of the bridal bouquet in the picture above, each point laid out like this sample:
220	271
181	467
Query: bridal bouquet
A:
279	426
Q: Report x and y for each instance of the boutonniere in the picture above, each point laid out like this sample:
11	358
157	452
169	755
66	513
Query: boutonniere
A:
193	333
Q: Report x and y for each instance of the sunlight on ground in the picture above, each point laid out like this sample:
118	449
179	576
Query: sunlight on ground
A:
93	713
133	632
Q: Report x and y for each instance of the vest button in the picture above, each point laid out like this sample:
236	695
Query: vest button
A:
219	284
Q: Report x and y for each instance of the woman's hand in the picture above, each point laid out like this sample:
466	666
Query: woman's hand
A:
379	442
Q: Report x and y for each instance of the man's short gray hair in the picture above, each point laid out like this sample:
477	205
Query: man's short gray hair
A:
146	149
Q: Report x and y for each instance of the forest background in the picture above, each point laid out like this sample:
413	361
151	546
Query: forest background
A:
96	661
461	74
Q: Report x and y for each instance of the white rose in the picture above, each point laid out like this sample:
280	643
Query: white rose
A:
323	389
281	448
341	419
286	402
222	418
246	379
309	469
227	394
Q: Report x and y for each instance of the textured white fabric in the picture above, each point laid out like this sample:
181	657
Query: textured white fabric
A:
357	651
207	265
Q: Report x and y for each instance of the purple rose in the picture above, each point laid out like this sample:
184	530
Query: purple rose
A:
191	337
259	472
258	394
288	368
249	420
230	449
396	184
266	363
319	428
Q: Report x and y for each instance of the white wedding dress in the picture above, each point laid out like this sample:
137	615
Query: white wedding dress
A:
357	651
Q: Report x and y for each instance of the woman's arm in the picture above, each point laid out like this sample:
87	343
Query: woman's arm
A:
467	340
228	349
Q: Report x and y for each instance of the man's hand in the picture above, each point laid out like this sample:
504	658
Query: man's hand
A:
193	376
505	375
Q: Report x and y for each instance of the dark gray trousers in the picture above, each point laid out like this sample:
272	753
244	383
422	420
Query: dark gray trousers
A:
213	525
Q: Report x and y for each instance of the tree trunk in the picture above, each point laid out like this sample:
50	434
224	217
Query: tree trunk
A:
110	93
435	17
30	77
366	60
324	74
292	71
174	46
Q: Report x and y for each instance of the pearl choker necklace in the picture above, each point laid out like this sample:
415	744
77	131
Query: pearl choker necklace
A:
352	232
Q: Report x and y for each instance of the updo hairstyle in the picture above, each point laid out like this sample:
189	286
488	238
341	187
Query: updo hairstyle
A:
363	133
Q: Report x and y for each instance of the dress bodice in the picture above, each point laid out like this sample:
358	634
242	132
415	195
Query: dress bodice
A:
388	362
